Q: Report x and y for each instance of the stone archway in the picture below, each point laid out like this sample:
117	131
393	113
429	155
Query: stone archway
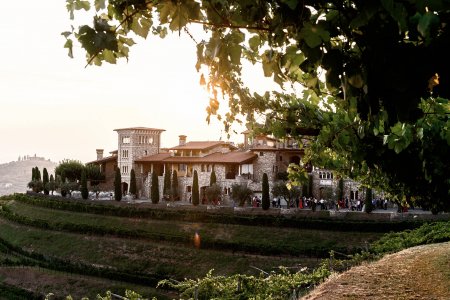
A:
124	188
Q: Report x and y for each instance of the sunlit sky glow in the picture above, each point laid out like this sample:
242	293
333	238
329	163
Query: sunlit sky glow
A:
54	107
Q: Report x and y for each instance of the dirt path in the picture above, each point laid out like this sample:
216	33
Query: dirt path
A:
421	272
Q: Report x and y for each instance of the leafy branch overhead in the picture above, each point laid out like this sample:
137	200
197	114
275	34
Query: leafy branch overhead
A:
370	78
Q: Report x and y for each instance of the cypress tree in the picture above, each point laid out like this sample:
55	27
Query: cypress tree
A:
310	185
195	191
175	185
341	189
38	174
265	192
33	174
45	181
166	188
84	188
52	184
118	185
154	189
213	178
133	186
368	202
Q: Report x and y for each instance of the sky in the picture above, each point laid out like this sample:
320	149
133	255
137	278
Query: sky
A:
52	106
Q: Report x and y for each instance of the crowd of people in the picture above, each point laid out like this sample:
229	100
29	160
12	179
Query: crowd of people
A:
324	204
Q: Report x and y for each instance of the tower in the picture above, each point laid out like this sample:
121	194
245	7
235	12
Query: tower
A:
135	143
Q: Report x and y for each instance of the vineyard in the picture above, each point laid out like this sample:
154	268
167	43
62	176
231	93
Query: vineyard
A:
83	248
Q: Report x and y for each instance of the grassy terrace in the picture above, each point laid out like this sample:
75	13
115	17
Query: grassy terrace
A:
256	239
57	239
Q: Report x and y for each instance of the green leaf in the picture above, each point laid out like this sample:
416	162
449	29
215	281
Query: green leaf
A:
397	11
109	56
235	54
291	3
69	46
99	4
254	42
314	35
425	22
82	4
141	26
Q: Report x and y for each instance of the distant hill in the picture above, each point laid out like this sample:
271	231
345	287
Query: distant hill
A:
14	176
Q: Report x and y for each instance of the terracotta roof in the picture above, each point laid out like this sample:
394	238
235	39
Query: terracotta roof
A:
268	148
140	128
198	145
104	159
154	158
236	157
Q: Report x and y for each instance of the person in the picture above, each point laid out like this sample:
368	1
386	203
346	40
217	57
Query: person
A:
278	202
274	202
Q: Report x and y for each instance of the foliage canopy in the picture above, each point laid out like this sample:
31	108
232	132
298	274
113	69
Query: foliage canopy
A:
366	82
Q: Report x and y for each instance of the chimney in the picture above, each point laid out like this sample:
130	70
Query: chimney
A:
99	154
182	140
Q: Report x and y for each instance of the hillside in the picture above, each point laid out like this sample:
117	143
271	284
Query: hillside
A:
421	272
14	176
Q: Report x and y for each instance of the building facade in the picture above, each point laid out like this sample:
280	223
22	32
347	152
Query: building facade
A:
139	148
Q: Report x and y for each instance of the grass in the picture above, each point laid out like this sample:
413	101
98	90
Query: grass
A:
288	241
43	281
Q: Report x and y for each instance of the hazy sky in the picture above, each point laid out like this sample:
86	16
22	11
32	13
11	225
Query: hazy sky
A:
52	106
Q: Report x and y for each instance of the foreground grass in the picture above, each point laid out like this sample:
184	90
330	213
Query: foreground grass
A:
43	281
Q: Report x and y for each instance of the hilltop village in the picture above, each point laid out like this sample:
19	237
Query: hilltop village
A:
139	149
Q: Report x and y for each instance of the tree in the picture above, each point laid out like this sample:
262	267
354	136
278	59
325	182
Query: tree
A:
341	189
94	174
370	78
240	193
133	186
212	178
213	193
45	181
166	187
280	189
69	169
174	185
265	193
368	201
51	186
154	190
195	191
38	174
117	185
84	188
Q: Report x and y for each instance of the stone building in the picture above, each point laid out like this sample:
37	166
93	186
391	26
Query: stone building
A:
139	148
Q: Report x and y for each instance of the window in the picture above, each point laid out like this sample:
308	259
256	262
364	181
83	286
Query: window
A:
182	167
281	158
203	168
188	189
124	153
145	152
124	169
125	140
261	153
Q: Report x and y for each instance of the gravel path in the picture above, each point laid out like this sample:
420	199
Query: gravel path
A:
421	272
